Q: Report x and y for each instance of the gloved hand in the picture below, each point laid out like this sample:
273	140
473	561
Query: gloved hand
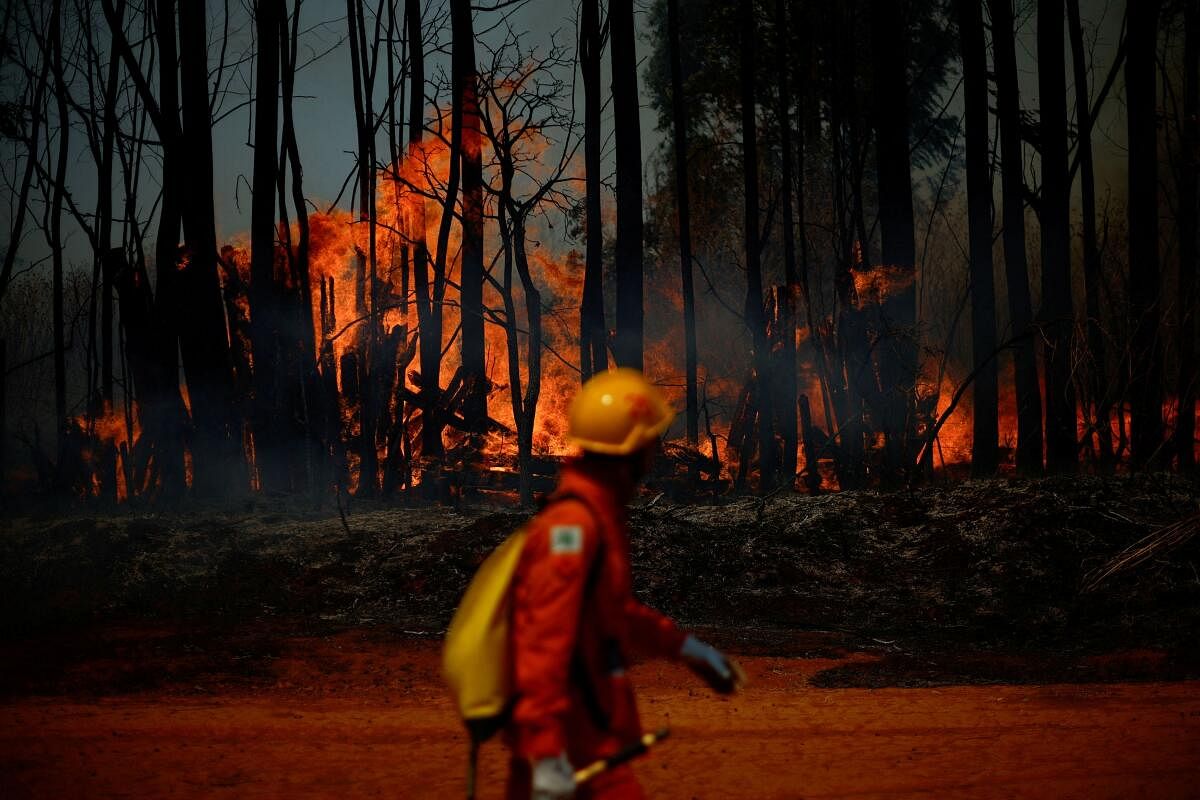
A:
553	779
723	675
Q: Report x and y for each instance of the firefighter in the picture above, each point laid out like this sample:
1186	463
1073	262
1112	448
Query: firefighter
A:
575	621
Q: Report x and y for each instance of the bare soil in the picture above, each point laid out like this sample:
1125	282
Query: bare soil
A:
936	641
145	712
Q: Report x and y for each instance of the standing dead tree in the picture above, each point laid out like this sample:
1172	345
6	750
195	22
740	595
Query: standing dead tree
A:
1145	362
1098	384
985	415
1057	313
1189	244
896	351
755	314
593	336
629	252
526	114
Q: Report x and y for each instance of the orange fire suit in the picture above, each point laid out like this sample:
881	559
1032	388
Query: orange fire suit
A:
574	622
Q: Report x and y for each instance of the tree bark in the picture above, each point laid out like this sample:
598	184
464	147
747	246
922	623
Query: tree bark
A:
431	419
217	456
104	219
314	409
593	344
467	79
1057	308
265	308
786	380
533	360
985	413
679	124
367	341
429	309
416	70
896	350
1185	427
1012	181
53	50
1146	426
3	418
629	343
160	405
1099	383
755	315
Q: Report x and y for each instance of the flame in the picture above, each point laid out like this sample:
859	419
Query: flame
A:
875	285
349	294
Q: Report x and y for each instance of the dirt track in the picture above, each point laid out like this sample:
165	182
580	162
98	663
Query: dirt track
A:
358	716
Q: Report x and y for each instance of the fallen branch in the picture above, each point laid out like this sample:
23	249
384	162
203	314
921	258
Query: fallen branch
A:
1159	542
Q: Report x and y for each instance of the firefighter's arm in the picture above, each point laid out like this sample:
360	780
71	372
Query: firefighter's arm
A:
656	634
547	602
652	632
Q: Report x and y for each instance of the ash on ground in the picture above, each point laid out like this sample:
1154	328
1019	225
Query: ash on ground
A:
996	566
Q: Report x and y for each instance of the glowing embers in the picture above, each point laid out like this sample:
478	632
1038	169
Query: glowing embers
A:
875	285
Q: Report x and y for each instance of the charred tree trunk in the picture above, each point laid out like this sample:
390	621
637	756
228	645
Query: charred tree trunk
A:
786	380
303	329
896	350
847	357
755	314
53	51
629	343
368	339
3	418
1185	428
1057	311
217	456
104	219
1146	426
416	70
1012	180
164	417
265	308
985	414
426	287
511	329
467	79
679	120
1098	385
593	338
533	360
431	420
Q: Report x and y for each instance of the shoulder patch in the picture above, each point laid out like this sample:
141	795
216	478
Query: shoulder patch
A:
566	539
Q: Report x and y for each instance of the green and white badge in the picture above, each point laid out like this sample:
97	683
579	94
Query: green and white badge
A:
566	539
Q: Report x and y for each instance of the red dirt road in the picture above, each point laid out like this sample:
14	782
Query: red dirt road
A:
349	716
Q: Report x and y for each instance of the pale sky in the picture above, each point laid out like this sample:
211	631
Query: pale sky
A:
325	121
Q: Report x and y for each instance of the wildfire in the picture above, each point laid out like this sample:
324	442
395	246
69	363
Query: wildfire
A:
363	306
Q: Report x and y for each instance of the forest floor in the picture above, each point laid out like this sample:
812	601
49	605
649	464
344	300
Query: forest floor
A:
155	712
938	640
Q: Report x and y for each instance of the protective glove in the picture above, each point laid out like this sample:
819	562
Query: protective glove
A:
553	779
723	675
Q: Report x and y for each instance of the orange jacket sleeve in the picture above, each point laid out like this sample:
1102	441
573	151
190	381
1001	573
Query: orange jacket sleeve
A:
652	632
547	601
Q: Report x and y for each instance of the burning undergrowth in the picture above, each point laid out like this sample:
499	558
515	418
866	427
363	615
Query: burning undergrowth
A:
989	562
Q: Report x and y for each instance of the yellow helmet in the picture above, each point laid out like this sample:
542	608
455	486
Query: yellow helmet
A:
617	413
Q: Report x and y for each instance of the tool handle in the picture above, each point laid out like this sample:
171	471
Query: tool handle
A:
626	753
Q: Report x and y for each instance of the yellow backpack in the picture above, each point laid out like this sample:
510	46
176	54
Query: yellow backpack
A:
475	660
476	663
